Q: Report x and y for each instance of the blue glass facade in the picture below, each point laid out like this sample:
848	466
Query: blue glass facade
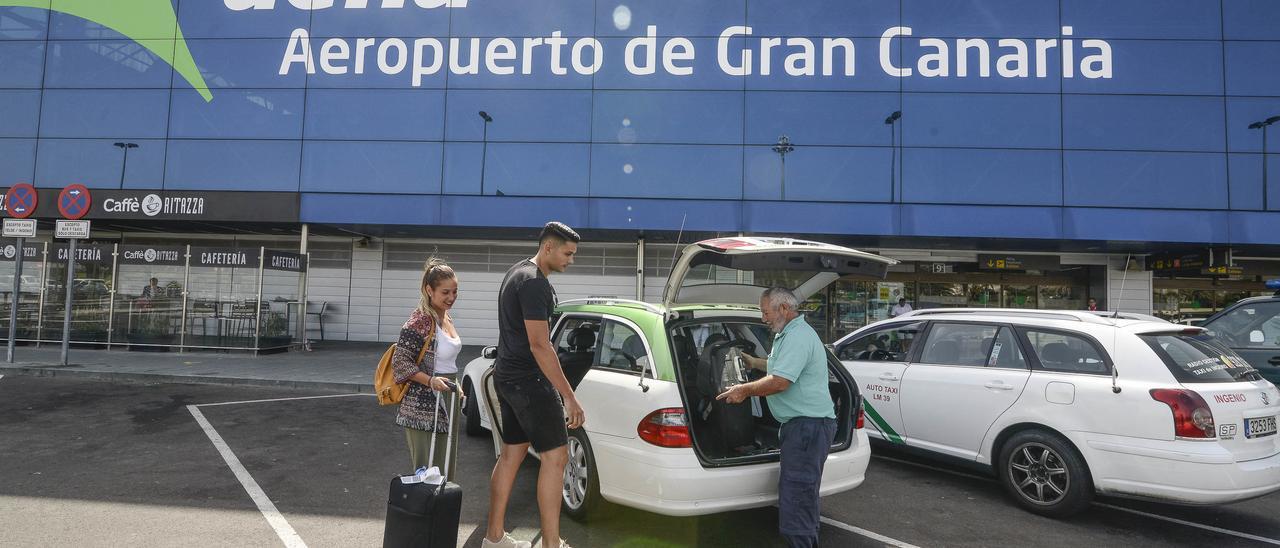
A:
990	144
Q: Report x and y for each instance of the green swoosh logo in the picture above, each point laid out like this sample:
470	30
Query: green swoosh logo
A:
133	19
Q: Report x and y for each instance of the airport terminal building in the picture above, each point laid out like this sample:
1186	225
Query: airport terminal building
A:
255	153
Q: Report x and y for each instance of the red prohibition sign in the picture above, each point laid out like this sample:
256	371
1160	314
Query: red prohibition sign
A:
20	201
73	201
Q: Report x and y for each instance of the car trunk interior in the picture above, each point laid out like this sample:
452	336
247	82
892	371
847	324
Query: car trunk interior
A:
727	434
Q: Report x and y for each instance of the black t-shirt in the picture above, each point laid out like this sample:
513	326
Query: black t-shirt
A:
525	294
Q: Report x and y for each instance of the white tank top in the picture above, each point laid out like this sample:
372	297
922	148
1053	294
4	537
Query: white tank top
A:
447	349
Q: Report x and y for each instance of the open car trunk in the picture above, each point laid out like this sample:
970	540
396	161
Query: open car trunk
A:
727	434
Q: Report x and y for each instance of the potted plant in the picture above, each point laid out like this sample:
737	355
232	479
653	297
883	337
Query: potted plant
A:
151	328
275	331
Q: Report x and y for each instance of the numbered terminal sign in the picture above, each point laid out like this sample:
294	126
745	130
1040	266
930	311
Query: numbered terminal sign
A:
72	230
19	228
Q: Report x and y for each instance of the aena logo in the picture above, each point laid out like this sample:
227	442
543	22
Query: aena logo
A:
135	20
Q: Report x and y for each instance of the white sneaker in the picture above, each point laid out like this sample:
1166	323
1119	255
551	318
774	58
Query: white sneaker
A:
507	541
563	544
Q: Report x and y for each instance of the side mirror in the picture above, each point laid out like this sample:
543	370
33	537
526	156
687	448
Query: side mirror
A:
489	352
1257	337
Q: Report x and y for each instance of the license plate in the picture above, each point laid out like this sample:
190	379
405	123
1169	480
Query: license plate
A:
1259	427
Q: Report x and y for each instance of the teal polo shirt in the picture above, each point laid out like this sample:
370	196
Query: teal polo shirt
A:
798	356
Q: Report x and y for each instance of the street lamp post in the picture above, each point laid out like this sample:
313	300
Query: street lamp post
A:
1263	126
124	147
484	148
782	148
891	121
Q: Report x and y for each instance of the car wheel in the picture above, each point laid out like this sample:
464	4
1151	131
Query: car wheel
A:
1045	474
472	411
581	493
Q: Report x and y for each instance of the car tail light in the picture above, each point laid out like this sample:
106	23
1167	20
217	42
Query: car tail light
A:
861	418
666	428
1192	417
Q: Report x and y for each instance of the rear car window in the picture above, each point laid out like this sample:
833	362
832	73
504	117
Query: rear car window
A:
1194	360
1066	352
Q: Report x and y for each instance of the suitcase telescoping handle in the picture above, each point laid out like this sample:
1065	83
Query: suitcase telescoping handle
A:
448	450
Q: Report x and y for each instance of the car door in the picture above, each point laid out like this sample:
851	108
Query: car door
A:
611	393
877	360
1253	331
967	375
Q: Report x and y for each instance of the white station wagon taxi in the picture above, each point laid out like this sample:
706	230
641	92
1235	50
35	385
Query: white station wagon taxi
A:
1063	405
647	376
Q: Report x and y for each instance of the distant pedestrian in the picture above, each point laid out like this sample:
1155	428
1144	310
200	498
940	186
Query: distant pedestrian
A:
431	325
796	389
533	393
152	290
899	309
1093	304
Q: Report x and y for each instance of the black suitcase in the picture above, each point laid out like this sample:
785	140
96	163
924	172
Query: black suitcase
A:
421	514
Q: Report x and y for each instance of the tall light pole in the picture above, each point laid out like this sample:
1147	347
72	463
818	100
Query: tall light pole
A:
782	148
125	147
484	148
891	121
1263	126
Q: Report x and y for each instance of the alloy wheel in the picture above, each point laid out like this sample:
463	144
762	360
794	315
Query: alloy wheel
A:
575	475
1039	474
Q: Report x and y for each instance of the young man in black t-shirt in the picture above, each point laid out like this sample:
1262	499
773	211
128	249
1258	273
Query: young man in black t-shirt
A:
531	386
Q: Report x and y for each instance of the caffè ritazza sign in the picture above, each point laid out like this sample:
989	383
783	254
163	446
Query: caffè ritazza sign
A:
276	207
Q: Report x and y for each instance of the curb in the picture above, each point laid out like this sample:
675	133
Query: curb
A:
124	377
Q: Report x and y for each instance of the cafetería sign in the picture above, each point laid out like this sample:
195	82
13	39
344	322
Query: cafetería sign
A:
279	207
224	257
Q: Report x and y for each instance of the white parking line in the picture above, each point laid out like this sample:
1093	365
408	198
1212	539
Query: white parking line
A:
268	509
865	533
1230	532
283	399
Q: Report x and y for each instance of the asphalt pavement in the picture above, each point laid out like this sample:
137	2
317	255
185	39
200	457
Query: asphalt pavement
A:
107	463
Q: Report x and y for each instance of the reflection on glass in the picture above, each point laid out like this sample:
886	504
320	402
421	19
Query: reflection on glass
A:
1019	296
1062	297
90	294
941	295
983	296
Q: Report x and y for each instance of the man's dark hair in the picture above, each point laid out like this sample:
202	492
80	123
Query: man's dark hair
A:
559	233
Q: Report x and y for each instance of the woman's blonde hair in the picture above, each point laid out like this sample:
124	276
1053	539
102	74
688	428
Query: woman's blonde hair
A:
433	272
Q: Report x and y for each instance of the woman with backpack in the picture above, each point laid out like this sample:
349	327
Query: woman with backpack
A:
430	334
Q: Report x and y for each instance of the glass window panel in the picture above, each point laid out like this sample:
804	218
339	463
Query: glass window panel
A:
850	174
162	24
547	116
867	76
1022	177
233	165
1146	179
375	114
983	296
1242	111
666	171
672	17
706	74
17	160
941	295
21	64
104	113
213	19
980	120
90	293
96	163
541	75
24	23
1143	123
1066	352
374	21
889	343
237	114
20	111
1189	19
1005	352
362	70
1253	68
1166	67
983	18
108	64
865	18
1019	296
959	344
572	17
1250	19
620	348
704	117
249	63
1062	297
820	118
372	167
537	169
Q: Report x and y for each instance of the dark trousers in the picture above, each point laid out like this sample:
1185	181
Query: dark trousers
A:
805	442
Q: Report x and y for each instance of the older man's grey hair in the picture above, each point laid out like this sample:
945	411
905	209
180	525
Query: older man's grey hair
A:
780	296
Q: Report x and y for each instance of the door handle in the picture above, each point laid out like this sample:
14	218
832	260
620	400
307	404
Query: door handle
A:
1274	361
889	377
997	385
